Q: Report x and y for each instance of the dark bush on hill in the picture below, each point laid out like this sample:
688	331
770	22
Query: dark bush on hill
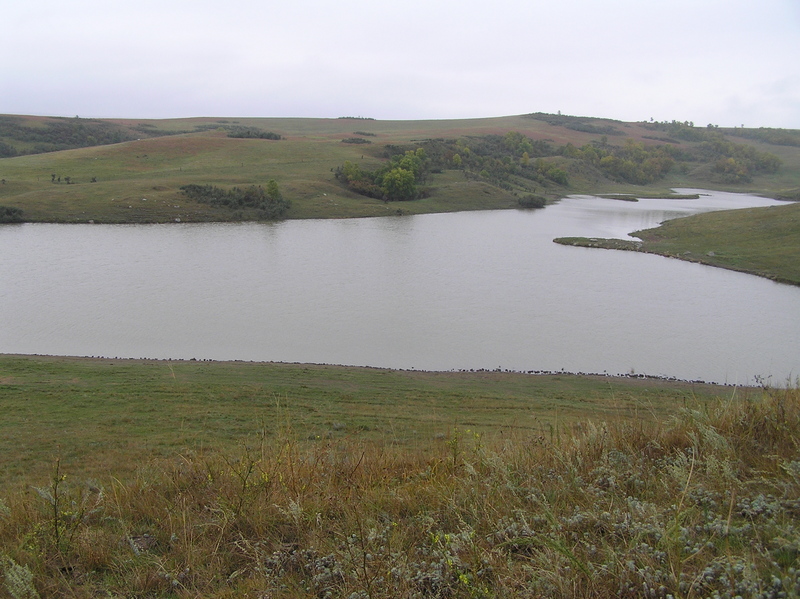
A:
685	131
776	137
10	214
269	202
7	151
575	123
252	133
532	201
356	140
61	134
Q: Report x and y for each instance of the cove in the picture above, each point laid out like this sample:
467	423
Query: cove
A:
470	290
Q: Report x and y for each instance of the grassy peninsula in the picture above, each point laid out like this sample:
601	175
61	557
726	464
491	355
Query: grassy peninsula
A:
187	479
760	241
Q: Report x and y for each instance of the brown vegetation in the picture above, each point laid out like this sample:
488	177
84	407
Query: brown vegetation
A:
703	504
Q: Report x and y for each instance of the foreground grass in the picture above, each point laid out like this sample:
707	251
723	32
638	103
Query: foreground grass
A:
101	415
703	503
759	241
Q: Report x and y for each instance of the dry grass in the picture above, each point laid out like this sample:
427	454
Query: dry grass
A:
703	504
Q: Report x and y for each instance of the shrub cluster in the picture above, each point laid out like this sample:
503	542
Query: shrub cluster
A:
777	137
252	133
731	162
397	180
7	151
58	134
532	201
269	202
10	214
685	130
501	159
515	159
497	159
737	163
582	124
633	162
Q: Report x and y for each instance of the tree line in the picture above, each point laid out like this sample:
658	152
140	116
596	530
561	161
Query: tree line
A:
56	134
515	160
252	133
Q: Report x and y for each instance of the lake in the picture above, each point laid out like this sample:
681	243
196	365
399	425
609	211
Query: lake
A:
470	290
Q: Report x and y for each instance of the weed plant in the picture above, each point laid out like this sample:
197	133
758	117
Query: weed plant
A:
705	503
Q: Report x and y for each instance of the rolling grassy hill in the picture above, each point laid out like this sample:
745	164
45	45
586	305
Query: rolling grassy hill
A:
138	178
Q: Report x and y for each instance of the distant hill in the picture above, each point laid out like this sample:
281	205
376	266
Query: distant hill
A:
135	170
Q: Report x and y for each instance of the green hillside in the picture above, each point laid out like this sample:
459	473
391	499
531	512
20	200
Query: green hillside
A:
115	171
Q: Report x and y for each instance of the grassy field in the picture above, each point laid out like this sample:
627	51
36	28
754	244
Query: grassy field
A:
98	415
140	180
184	479
759	241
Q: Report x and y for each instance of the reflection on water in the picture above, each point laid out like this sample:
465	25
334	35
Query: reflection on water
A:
437	292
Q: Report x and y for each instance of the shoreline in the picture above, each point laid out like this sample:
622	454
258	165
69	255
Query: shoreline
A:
473	371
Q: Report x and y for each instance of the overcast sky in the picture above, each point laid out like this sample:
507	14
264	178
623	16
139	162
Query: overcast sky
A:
727	62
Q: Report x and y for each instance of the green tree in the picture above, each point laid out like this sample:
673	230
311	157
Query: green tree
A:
273	192
398	184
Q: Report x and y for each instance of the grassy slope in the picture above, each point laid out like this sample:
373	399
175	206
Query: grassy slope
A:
139	181
702	504
112	414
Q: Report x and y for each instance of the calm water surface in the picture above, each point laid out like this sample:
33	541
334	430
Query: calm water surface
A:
435	292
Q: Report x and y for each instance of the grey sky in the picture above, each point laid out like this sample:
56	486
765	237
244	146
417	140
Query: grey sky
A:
727	62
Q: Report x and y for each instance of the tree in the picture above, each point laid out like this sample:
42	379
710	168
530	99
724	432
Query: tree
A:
350	172
273	192
398	184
